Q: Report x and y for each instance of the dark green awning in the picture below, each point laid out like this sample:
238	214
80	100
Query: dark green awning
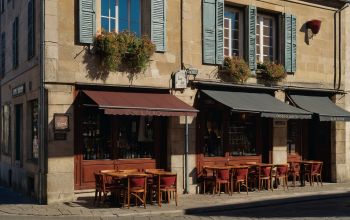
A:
321	105
260	103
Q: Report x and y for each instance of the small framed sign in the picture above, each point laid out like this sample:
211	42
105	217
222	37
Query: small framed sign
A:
180	80
61	122
279	123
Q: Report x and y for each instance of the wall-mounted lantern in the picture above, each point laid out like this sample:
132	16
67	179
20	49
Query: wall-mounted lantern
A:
314	25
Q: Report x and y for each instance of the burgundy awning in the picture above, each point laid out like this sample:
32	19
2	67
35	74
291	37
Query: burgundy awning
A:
137	103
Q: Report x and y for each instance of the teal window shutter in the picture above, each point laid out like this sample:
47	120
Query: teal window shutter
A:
251	36
209	34
290	43
219	32
294	44
158	26
87	21
213	31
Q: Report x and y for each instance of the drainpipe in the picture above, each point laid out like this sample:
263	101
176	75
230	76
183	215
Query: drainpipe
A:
347	3
186	156
42	176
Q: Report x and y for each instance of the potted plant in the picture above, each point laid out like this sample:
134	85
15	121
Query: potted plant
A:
270	73
234	69
123	51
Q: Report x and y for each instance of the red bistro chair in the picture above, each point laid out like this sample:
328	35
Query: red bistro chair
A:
222	177
167	183
137	187
239	178
264	176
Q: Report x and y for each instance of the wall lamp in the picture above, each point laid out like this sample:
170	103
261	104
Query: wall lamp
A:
313	25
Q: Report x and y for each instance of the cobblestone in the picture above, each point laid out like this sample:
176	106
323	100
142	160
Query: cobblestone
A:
190	206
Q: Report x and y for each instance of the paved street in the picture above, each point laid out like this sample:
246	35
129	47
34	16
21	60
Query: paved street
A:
332	201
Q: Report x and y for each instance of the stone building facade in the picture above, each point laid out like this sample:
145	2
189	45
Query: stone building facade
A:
52	167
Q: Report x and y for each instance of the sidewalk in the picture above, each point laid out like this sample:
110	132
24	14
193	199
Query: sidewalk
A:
83	207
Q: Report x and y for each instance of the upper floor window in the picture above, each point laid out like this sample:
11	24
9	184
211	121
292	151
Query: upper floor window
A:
121	15
31	31
3	53
15	43
2	6
265	38
233	32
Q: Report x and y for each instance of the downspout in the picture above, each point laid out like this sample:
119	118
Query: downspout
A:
42	176
339	45
186	185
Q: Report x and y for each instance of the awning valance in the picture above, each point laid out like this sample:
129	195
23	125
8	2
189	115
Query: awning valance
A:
261	103
138	103
321	105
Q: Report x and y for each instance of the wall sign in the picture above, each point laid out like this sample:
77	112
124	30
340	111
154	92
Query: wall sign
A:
61	122
180	80
279	123
18	90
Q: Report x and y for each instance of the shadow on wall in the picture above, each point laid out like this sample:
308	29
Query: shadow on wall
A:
307	33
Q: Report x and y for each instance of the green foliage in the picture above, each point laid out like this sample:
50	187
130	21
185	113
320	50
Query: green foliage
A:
123	51
235	69
271	72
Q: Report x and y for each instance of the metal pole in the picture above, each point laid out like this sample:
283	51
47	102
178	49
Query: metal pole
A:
42	107
186	156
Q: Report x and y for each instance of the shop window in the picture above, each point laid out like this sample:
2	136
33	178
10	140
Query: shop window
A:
242	134
213	139
34	112
121	15
265	38
97	143
135	138
5	129
117	137
233	32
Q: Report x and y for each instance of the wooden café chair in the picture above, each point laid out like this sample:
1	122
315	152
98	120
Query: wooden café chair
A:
281	173
222	177
264	176
208	178
103	187
137	187
167	184
239	178
294	171
314	172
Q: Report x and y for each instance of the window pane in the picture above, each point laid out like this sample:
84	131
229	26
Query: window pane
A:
226	42
226	52
104	7
112	25
123	15
105	24
135	17
267	41
112	7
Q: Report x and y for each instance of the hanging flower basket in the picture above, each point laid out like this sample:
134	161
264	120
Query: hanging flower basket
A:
123	51
314	25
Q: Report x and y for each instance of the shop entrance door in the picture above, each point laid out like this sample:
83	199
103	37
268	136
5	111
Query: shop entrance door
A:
320	146
18	134
266	139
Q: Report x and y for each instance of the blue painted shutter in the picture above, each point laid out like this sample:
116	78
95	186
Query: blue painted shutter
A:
294	44
213	31
219	32
87	21
158	26
290	43
251	36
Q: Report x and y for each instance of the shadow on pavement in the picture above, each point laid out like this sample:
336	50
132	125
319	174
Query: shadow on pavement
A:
330	205
8	196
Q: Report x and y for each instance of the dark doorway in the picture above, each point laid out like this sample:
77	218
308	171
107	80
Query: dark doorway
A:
18	132
320	145
266	137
